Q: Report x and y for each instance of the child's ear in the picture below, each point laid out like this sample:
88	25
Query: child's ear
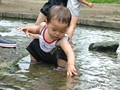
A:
46	24
45	20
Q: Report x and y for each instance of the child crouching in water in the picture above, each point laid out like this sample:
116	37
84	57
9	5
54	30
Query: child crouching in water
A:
52	34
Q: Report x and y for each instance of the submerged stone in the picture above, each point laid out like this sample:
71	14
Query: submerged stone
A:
104	46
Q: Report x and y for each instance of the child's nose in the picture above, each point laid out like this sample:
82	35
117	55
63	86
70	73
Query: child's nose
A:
57	33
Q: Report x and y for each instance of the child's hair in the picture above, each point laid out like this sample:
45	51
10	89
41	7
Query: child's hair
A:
60	13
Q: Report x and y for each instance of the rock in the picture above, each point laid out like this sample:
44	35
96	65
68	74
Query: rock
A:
104	46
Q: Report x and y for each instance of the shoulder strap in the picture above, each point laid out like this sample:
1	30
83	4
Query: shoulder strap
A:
42	29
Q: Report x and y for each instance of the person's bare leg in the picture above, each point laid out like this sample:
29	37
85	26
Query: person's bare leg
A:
33	60
71	28
41	18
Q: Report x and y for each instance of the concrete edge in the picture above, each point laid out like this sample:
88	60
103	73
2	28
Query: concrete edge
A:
18	15
91	22
100	23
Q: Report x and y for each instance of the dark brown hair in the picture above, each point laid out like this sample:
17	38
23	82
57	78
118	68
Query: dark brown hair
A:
60	13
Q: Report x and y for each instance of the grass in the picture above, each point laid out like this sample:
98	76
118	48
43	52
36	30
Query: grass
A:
104	1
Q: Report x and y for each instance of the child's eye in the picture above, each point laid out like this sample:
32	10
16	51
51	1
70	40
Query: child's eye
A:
62	31
53	29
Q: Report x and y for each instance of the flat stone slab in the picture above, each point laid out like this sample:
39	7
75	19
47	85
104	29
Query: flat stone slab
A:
9	56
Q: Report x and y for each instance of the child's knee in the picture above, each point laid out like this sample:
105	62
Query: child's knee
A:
61	63
32	58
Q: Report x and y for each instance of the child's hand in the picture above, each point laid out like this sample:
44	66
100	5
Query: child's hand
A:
90	4
24	29
71	71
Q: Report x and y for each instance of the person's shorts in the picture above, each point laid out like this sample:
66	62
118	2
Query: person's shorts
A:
50	3
51	57
74	7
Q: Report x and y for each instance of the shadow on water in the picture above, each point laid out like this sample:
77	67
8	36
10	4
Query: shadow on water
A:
96	70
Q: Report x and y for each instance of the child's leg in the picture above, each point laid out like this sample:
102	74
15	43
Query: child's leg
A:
32	58
41	18
61	58
61	63
34	50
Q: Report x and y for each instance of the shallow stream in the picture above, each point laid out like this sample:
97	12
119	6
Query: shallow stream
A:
96	70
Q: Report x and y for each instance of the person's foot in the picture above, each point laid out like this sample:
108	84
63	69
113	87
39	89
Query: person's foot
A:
6	43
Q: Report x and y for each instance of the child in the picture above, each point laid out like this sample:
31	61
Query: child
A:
52	34
74	7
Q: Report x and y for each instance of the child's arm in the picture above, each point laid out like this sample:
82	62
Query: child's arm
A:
34	36
35	29
89	4
29	29
64	44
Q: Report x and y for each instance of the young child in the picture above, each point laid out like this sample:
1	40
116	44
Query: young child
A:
51	34
74	7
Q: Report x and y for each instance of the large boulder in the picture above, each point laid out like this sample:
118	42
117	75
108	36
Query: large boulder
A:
104	46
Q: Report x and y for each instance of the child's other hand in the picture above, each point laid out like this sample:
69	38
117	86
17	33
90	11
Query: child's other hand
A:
71	71
90	4
24	29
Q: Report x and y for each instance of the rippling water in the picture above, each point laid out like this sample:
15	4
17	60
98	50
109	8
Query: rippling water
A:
96	70
100	71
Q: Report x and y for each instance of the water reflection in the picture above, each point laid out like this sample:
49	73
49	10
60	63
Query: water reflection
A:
96	70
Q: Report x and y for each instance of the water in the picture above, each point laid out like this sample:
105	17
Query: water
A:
96	70
8	27
100	71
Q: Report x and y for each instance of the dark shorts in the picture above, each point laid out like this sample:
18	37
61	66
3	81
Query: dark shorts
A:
51	58
50	3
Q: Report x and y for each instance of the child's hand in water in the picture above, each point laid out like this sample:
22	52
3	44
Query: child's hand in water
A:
71	71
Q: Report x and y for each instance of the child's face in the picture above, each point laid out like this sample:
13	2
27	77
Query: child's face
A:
56	29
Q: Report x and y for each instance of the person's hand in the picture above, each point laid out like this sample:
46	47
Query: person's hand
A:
90	4
71	71
24	29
